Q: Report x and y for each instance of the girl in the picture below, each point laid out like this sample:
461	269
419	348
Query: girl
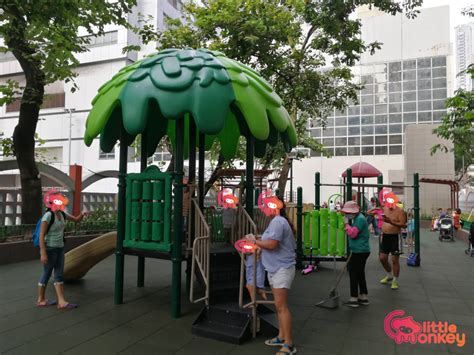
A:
358	234
51	240
278	257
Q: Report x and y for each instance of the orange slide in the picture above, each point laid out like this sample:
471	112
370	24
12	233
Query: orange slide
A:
80	260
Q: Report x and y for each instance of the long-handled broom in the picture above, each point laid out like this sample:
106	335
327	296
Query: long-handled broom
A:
333	300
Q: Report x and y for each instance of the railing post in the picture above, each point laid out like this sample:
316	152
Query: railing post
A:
299	227
119	256
379	186
317	190
177	245
416	212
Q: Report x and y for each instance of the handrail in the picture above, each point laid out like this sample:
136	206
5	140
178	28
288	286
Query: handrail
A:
200	252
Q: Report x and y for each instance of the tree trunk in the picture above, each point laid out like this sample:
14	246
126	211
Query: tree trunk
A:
24	146
214	175
284	175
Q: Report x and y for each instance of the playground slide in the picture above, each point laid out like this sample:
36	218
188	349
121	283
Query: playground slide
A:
80	260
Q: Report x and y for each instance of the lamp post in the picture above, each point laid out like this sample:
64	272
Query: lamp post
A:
70	111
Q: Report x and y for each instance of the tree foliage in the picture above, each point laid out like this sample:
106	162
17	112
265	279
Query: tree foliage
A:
44	37
457	127
304	48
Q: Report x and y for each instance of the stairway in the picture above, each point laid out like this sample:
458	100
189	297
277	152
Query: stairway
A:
223	319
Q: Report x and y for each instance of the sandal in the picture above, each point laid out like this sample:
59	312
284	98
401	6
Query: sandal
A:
287	349
46	303
276	341
68	306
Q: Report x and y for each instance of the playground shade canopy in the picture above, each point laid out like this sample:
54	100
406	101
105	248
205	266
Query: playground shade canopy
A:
363	170
225	98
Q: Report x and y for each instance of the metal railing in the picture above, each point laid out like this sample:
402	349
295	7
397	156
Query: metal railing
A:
200	251
243	225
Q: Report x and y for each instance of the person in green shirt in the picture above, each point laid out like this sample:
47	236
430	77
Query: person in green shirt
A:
51	240
358	234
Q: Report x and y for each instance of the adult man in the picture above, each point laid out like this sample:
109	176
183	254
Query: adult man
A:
394	219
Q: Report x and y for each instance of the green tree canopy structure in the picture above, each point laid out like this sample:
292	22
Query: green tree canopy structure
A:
225	98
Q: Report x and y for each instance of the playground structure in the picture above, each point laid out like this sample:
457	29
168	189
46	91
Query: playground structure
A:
193	97
320	233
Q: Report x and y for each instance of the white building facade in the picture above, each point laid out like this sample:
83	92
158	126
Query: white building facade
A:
62	119
405	83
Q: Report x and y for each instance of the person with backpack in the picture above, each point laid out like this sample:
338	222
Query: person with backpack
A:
51	245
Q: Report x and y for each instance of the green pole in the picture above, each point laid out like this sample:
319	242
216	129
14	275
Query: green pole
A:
202	162
379	185
119	256
317	190
299	228
249	175
277	193
143	165
192	178
349	184
257	193
416	210
176	257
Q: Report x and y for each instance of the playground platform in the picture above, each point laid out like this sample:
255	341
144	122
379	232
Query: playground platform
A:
440	290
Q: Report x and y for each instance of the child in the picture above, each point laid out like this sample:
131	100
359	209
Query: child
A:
260	275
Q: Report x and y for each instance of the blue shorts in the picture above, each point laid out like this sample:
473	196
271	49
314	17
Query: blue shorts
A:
56	263
249	272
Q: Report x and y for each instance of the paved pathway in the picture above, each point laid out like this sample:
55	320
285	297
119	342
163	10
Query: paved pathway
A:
441	290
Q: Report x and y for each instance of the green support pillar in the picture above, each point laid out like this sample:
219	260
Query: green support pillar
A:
249	175
202	162
299	228
176	257
416	211
379	186
277	193
257	193
317	190
119	256
143	165
349	184
192	178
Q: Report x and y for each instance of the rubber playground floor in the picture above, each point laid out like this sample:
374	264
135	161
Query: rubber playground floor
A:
442	289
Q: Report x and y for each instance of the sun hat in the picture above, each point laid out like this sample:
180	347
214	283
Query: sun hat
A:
350	207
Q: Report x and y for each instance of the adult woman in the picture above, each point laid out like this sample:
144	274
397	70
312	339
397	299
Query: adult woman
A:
51	240
278	258
358	234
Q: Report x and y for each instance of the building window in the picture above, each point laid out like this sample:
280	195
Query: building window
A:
176	4
106	39
104	156
50	101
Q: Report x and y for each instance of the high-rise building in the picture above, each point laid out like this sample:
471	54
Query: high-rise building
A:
63	114
464	38
404	83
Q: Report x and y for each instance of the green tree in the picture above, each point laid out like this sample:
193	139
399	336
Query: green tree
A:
457	127
304	48
43	37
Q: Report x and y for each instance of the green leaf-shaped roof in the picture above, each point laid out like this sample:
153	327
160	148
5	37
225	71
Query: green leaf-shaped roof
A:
225	98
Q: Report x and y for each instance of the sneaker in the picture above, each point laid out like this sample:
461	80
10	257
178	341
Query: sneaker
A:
352	304
386	280
394	285
363	302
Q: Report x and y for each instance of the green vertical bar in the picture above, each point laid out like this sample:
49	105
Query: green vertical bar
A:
317	190
249	175
192	178
315	231
349	184
257	193
158	211
307	231
323	230
299	228
143	165
332	232
178	221
119	256
341	235
136	210
147	195
202	162
379	186
416	210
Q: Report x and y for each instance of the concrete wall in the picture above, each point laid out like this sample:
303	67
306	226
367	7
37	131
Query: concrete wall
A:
418	141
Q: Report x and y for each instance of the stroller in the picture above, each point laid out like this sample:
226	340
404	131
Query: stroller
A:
446	229
470	247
